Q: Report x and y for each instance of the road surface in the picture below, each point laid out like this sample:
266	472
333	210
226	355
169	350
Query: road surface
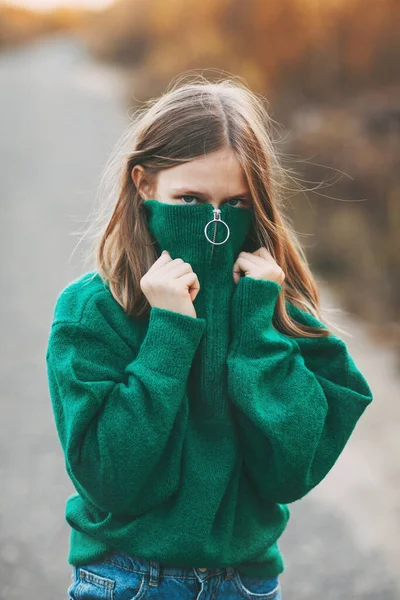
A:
60	116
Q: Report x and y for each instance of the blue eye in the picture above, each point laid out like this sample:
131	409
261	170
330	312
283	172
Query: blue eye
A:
188	197
235	200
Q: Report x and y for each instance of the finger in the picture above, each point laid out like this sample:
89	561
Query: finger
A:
267	257
237	274
261	253
242	264
177	267
258	257
249	259
264	253
162	260
172	265
192	282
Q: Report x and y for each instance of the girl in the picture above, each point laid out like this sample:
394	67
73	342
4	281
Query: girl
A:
196	390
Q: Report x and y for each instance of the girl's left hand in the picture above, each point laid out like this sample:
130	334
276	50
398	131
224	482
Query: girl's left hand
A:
259	265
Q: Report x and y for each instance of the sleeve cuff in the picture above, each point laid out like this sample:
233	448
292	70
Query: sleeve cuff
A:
171	341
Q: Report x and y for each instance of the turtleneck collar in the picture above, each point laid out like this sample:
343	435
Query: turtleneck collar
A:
179	228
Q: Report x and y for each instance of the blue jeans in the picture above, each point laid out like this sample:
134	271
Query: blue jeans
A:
120	576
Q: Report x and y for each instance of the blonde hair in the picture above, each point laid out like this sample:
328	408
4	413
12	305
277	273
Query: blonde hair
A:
189	120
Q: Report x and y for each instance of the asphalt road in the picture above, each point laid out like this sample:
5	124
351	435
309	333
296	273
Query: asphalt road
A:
60	116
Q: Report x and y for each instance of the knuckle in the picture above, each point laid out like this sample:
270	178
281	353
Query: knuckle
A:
280	275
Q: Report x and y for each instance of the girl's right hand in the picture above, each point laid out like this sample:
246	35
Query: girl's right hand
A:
171	284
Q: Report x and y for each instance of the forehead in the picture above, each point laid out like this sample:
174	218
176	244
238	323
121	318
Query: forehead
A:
215	173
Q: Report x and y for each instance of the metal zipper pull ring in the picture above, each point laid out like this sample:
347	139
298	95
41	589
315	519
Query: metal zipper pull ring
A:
217	218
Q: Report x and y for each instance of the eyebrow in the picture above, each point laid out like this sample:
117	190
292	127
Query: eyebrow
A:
187	192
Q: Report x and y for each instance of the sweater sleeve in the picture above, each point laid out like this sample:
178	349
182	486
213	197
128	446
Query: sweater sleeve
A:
121	419
297	400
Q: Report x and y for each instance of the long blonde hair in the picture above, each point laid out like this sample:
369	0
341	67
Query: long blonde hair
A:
189	120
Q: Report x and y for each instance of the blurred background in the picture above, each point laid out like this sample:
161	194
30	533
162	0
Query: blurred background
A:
70	76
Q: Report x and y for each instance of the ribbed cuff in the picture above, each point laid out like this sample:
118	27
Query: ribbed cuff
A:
253	306
171	341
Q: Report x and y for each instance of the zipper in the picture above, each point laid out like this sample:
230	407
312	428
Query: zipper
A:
216	212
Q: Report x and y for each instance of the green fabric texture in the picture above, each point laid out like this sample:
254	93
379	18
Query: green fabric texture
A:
186	437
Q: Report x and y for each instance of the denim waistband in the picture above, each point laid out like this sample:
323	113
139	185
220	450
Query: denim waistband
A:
156	569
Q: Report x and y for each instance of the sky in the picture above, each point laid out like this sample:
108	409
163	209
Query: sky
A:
49	4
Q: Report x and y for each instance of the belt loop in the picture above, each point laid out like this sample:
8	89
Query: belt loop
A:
229	572
154	573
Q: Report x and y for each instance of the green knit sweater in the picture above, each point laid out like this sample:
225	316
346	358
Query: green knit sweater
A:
184	437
